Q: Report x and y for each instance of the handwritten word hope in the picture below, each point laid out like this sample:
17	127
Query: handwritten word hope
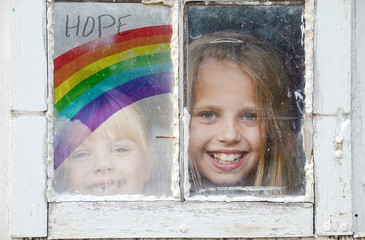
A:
93	25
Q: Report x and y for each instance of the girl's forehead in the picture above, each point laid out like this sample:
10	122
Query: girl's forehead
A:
223	65
120	124
114	133
106	139
216	61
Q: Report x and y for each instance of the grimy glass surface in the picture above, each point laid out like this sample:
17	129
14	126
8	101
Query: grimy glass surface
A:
112	86
245	98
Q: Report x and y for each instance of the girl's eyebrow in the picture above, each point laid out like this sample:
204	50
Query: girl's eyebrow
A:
252	108
216	108
206	108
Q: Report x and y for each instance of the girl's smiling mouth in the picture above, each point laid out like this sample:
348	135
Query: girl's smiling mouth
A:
106	187
227	161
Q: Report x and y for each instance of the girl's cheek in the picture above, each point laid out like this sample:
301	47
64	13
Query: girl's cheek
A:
75	171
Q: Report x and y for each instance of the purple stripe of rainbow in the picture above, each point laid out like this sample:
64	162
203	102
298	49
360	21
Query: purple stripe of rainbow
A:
137	89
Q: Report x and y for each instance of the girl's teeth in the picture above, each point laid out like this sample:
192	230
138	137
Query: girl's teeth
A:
227	157
105	188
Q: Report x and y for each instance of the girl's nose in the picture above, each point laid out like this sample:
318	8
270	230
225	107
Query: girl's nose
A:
102	164
229	131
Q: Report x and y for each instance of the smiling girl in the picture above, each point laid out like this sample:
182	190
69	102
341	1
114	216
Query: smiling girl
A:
111	160
241	127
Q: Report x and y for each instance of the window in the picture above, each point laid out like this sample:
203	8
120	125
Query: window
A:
113	78
334	210
188	211
245	136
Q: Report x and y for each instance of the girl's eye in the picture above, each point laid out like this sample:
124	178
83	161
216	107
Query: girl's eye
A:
249	117
79	155
209	115
120	149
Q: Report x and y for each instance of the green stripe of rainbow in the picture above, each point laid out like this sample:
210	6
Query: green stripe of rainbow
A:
104	63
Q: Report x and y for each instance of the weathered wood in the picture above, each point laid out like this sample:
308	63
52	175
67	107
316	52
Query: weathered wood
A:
332	61
175	219
28	206
28	84
332	122
335	158
332	157
28	56
4	121
358	116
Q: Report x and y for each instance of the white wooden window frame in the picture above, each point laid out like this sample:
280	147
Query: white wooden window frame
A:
205	218
336	68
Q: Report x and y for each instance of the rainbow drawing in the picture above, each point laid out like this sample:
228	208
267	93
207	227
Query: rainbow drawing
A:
129	66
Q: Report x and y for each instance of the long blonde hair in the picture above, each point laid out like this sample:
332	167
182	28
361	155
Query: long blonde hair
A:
279	163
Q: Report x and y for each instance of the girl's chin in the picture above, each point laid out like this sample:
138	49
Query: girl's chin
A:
227	182
219	180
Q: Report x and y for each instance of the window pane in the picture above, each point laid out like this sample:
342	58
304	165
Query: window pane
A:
246	99
112	103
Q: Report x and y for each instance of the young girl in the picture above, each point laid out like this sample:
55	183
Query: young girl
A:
113	159
241	127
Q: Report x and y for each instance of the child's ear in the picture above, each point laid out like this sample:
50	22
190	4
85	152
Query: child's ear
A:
150	162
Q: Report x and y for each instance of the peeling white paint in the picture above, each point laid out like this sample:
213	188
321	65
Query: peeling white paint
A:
27	90
359	235
169	3
179	220
338	154
50	119
224	198
339	140
309	27
345	125
110	198
327	227
240	2
175	171
183	229
307	129
28	84
332	118
5	120
186	122
357	121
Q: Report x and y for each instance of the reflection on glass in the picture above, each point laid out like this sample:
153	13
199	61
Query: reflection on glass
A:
112	85
245	120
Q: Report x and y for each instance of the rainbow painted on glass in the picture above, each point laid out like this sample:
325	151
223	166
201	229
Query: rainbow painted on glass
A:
112	73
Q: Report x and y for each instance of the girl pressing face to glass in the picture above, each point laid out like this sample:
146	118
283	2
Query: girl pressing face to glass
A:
225	139
239	106
112	159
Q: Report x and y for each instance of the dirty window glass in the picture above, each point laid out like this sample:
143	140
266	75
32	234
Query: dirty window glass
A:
112	99
245	97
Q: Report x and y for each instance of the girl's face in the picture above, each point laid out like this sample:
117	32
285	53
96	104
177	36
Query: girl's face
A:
105	166
225	140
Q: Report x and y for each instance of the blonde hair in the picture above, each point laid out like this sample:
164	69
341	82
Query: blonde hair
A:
127	122
279	163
